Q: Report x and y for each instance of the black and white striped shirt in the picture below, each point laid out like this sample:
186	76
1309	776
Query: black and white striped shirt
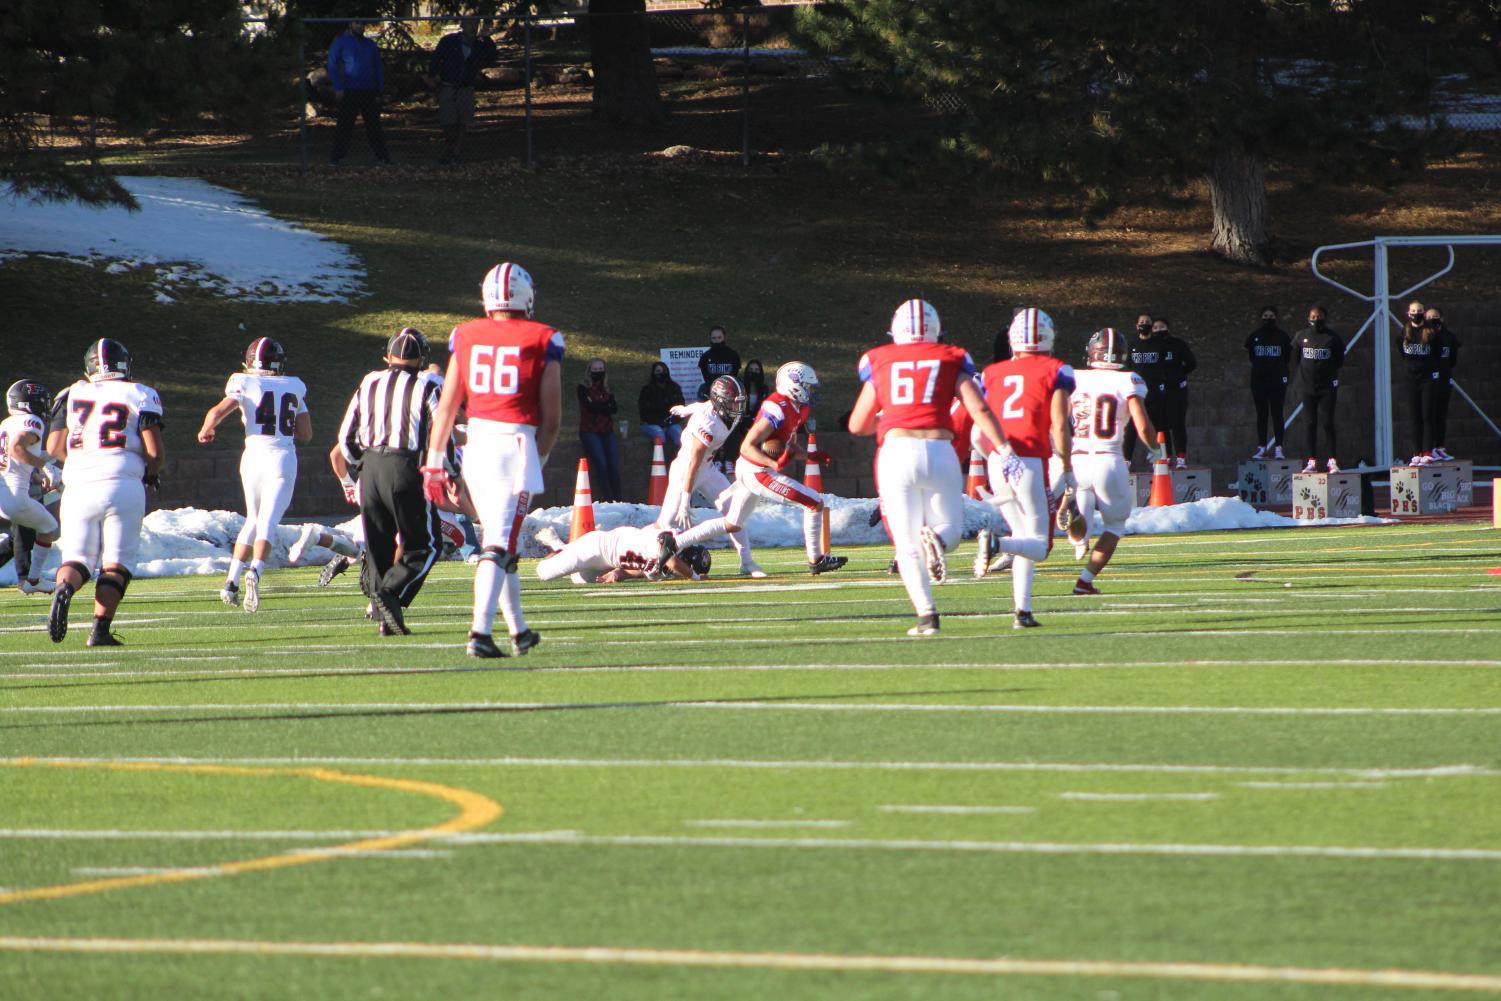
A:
392	409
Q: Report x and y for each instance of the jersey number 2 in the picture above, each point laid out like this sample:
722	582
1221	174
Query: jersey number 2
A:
494	370
904	382
271	422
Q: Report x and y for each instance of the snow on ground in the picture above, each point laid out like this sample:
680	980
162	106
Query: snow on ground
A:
189	233
189	541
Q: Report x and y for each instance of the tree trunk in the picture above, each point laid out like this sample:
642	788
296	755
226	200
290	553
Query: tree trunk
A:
1237	194
625	82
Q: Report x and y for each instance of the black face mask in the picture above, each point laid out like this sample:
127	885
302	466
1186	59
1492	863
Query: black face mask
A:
1269	322
1318	324
659	377
1435	323
1143	328
1416	321
596	377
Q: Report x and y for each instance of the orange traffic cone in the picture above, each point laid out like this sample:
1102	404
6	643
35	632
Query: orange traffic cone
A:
813	480
656	490
1162	478
583	504
977	478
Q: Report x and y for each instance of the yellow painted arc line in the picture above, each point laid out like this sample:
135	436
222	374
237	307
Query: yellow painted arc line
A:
822	962
475	811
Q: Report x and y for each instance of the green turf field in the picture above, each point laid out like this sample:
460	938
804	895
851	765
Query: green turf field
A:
1263	765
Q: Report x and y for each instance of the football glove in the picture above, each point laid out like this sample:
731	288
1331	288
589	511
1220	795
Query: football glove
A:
1069	481
1068	511
52	477
435	484
784	458
680	518
1012	467
824	459
351	492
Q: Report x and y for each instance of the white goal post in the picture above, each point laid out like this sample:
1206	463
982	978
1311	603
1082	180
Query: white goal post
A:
1381	313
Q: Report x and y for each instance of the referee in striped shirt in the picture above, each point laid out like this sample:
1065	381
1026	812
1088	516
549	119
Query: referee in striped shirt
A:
385	433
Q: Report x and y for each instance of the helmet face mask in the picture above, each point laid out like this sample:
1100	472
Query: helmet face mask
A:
266	357
915	322
697	559
727	397
798	383
27	396
507	286
1031	332
105	359
1106	349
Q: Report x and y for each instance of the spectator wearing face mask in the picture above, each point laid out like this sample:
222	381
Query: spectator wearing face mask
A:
720	359
597	408
1318	353
1443	358
1415	378
1177	361
1145	361
1269	348
658	397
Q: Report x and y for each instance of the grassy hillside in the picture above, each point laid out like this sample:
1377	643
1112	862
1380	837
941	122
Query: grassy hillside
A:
796	261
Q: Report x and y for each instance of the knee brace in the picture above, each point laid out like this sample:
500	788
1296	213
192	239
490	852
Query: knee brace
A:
496	555
78	568
113	577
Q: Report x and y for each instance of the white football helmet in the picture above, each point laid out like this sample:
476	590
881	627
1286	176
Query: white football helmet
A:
1031	331
508	286
915	322
797	382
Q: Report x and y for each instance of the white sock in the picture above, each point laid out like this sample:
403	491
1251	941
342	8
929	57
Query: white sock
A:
235	568
341	546
1032	549
812	534
40	551
1023	571
742	546
487	577
510	603
915	580
257	567
701	533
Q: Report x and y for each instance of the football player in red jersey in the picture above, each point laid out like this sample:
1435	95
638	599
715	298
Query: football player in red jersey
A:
1029	393
909	386
767	449
505	371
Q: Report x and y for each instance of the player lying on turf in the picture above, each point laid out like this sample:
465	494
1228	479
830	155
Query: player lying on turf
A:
619	554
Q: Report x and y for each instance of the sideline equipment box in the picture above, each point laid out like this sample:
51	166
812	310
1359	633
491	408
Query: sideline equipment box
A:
1267	481
1325	495
1431	489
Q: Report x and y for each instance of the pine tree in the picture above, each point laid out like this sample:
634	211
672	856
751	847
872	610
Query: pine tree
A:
1104	94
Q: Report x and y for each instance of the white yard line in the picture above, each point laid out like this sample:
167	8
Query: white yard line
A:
1132	797
954	810
758	824
1312	785
784	961
140	870
1068	767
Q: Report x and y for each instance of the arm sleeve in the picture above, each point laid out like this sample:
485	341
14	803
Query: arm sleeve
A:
58	419
335	72
1189	361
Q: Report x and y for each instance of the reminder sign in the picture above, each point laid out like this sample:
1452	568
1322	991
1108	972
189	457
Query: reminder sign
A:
682	365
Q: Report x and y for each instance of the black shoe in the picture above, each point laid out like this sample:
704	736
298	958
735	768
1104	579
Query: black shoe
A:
101	636
894	569
875	517
827	562
388	611
57	619
482	645
335	567
927	625
1024	620
524	641
667	547
367	588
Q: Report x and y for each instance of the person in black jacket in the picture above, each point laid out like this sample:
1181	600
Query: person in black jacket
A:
720	359
1175	360
756	390
655	403
454	68
1318	353
1268	348
1146	361
1416	378
597	409
1444	357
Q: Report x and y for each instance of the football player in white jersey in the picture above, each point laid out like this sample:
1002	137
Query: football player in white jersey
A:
112	446
618	554
709	425
1105	396
22	437
273	408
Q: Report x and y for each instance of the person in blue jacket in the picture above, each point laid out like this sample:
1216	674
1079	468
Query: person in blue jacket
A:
354	68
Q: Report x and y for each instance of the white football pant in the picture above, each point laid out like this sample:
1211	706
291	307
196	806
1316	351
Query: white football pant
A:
920	484
503	471
268	476
1024	505
101	522
1104	486
23	509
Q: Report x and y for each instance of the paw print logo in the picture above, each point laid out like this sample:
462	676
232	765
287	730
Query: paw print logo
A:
1306	495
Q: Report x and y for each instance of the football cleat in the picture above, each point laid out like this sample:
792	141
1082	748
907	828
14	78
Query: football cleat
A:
230	595
304	541
482	645
752	569
1003	564
1311	466
927	625
1260	452
388	611
827	562
667	546
101	636
252	592
1082	586
1081	548
370	611
1024	620
894	568
57	618
523	641
28	586
335	567
986	543
932	554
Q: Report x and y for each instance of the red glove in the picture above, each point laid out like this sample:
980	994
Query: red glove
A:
824	459
435	484
783	459
351	491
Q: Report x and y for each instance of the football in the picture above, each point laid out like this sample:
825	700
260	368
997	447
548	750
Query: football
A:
774	447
